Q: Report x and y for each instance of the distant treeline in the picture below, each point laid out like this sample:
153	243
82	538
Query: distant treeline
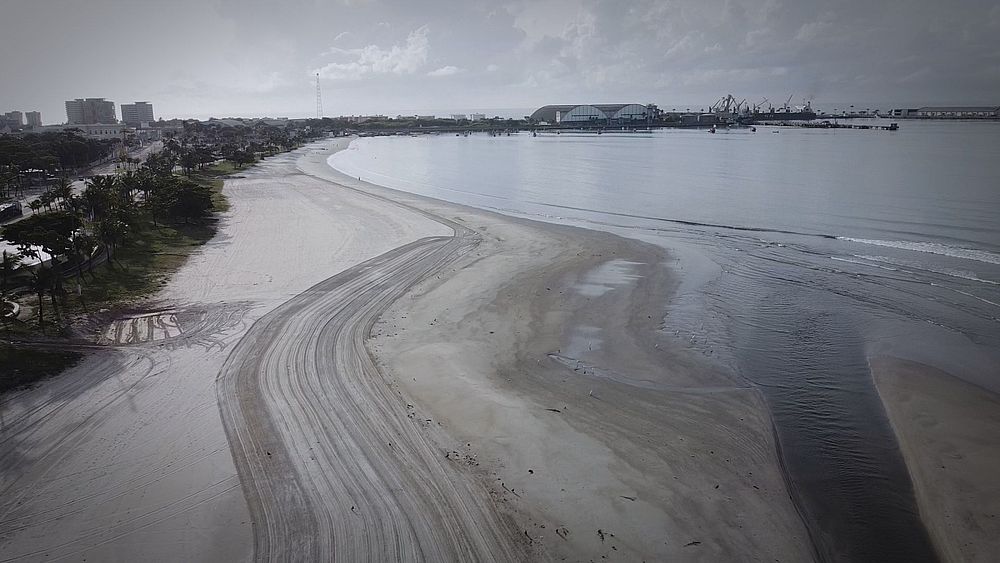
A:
51	151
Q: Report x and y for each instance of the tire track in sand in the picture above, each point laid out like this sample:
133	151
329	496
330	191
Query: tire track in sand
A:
331	467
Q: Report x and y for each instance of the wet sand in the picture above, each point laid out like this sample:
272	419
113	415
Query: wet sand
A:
517	399
949	433
539	364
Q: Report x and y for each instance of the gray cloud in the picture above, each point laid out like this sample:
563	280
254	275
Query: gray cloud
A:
257	57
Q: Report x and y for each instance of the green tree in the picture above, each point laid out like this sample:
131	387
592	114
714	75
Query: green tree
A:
53	234
8	264
190	200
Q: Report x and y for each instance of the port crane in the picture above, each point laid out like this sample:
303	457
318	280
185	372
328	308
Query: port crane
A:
786	107
728	104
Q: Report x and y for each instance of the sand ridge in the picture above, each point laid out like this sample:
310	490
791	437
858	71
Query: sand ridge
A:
949	434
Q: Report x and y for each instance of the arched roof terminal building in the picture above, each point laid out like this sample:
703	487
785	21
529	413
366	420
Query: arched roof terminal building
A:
597	114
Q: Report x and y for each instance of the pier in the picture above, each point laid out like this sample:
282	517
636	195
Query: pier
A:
831	125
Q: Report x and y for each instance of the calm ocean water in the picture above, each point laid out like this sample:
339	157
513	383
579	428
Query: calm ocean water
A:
817	250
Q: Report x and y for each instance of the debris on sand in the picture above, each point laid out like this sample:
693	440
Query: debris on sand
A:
692	543
562	532
628	498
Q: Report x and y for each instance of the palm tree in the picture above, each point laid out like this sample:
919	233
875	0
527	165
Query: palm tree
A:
8	264
41	281
64	189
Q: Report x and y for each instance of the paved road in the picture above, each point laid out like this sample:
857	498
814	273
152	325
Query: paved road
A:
331	466
110	167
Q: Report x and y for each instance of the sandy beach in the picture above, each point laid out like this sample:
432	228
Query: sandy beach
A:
539	364
949	433
124	457
348	372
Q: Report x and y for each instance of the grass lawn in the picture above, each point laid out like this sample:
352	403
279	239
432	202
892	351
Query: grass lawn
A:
142	266
212	176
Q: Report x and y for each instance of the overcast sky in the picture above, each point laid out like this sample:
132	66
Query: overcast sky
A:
203	58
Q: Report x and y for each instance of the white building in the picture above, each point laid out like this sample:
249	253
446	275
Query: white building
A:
459	116
961	112
92	130
33	118
478	117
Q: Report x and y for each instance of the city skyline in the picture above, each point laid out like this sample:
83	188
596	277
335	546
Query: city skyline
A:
386	57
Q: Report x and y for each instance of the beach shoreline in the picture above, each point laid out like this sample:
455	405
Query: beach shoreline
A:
496	354
534	365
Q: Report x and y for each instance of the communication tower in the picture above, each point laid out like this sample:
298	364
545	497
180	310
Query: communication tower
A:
319	99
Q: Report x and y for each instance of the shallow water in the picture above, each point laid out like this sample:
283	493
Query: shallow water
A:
828	248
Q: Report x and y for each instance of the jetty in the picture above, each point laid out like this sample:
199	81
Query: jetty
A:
830	125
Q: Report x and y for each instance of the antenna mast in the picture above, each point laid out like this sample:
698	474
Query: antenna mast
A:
319	99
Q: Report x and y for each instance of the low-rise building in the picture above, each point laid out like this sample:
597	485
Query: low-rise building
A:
92	130
951	112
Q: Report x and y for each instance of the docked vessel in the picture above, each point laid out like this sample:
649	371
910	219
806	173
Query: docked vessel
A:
786	113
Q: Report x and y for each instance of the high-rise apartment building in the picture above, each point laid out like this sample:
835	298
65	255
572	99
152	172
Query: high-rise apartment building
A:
138	113
33	119
90	110
14	119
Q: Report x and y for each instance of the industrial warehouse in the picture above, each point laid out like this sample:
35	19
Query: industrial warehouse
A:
600	114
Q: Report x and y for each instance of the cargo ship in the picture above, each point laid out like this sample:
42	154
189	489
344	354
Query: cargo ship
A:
800	113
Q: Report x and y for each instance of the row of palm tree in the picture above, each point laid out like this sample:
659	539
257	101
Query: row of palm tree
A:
66	231
37	155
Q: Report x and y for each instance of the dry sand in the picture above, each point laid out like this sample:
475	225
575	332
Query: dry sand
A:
124	457
518	400
949	433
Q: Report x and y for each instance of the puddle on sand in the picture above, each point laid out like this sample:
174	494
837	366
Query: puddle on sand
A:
606	277
583	340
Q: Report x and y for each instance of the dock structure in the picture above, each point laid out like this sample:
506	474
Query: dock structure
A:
832	125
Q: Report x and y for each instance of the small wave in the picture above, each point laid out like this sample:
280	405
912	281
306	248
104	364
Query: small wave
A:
932	248
963	274
863	263
687	222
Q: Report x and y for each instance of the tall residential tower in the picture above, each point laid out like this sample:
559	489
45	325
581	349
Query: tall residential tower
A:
134	115
89	111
